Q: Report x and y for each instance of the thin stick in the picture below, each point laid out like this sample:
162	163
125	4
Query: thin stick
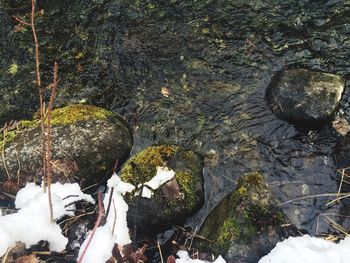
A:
313	196
115	218
341	181
48	140
21	21
160	252
97	223
3	151
4	259
337	199
194	234
40	90
36	43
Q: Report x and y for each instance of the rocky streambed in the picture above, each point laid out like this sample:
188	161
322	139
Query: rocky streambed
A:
249	87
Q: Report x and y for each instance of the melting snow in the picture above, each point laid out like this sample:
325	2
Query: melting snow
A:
32	222
306	249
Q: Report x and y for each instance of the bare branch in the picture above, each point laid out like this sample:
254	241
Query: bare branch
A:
21	21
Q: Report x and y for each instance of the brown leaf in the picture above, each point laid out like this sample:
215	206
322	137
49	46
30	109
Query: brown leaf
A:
171	189
11	186
165	91
27	259
171	259
341	125
134	255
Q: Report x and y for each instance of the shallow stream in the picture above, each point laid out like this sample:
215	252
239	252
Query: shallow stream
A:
214	60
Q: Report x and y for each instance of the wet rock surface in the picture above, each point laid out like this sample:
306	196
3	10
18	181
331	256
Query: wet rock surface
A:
173	202
246	224
86	142
305	96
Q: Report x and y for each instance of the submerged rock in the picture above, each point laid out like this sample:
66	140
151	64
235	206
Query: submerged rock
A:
175	200
246	224
86	142
305	96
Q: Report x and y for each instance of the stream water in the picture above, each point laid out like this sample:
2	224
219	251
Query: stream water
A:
215	58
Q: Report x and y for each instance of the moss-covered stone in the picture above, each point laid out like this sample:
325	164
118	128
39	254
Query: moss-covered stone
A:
246	224
160	211
86	142
142	167
68	115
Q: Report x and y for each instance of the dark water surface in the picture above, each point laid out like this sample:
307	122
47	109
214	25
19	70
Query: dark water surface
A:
216	58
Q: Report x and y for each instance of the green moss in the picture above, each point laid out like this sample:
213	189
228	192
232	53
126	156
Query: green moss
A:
242	191
142	167
186	184
13	69
77	113
62	116
229	231
9	137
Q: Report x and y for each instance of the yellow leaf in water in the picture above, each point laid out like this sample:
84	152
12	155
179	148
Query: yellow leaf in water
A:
205	30
165	91
79	55
13	69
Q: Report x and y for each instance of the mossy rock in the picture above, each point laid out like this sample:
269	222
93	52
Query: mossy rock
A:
152	215
304	96
86	142
246	224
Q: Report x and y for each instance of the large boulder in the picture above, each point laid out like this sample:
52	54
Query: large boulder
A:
86	142
246	224
173	202
305	96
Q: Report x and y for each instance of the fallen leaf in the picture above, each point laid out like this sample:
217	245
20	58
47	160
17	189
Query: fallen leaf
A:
171	259
171	189
27	259
341	125
165	91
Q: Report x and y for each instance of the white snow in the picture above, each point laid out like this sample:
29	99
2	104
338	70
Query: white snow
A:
100	248
306	249
185	258
116	221
147	193
32	222
117	214
163	175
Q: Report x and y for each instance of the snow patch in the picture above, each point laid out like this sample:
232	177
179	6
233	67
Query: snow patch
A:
184	257
115	230
100	248
32	222
163	175
306	249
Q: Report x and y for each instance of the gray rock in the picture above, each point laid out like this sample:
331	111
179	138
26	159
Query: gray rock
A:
246	224
305	96
86	142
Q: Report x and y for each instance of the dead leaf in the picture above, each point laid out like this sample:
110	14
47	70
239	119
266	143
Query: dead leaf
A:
11	186
165	91
171	259
171	189
134	255
27	259
341	125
